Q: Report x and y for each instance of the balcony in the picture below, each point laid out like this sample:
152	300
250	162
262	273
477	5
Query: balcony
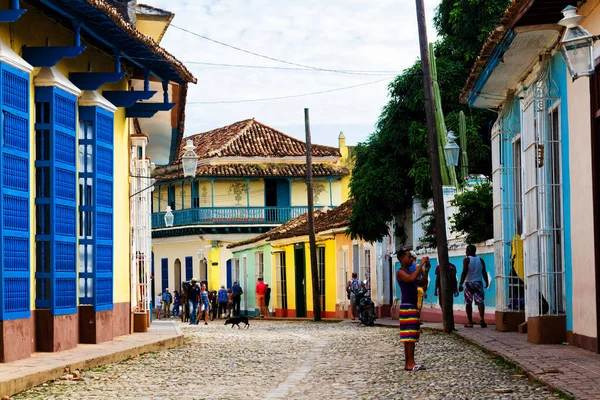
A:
230	216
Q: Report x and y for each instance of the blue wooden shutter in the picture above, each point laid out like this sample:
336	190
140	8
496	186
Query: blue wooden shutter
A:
56	238
100	242
14	199
165	273
189	268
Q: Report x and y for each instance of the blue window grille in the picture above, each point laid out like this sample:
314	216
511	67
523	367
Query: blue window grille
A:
96	128
189	268
56	201
14	195
165	273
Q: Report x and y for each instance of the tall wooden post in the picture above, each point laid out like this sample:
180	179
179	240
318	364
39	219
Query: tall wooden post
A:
311	223
436	177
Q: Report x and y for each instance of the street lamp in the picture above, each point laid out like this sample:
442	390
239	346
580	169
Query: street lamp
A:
189	159
169	217
577	44
451	150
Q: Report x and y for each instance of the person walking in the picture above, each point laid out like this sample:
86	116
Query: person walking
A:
353	286
222	297
229	302
260	296
176	304
193	295
158	305
205	303
267	300
409	316
473	275
214	305
237	293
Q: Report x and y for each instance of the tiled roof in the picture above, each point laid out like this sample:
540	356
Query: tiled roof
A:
254	170
151	10
250	138
339	217
120	22
291	224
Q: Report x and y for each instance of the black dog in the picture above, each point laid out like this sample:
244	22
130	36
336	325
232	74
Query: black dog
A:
237	320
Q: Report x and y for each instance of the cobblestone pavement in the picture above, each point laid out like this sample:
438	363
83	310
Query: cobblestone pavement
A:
298	360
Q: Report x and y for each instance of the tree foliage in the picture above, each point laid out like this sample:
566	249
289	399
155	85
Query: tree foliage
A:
392	165
474	215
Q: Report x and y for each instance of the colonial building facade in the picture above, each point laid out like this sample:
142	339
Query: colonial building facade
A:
250	179
66	68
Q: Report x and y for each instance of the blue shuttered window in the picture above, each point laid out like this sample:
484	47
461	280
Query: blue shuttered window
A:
56	201
96	128
165	273
189	268
14	197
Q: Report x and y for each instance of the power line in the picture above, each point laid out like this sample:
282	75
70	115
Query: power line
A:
289	96
341	71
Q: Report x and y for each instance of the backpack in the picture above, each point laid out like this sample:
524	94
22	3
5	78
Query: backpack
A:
170	297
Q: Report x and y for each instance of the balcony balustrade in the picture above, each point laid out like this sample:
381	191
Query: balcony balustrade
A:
230	216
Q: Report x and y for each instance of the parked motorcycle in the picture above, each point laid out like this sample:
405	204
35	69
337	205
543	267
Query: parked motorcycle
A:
365	307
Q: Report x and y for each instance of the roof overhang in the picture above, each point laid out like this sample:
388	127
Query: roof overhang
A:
119	37
510	62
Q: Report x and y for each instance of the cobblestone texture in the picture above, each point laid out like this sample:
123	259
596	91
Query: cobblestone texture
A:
298	360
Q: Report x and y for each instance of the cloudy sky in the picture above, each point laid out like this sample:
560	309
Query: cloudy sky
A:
349	35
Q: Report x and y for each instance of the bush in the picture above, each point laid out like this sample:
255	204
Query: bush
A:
474	215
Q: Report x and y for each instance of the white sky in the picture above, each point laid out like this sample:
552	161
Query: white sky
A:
333	34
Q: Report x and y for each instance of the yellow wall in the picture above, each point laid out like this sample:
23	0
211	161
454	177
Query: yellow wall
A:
45	28
300	198
150	26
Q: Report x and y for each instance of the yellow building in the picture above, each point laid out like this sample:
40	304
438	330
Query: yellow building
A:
65	255
249	180
289	270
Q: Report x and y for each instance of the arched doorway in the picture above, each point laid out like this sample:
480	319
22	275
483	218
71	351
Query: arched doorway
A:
177	284
204	272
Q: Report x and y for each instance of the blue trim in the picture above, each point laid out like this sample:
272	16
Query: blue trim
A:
164	273
11	15
189	268
58	232
490	66
49	56
94	80
15	233
100	208
127	98
561	77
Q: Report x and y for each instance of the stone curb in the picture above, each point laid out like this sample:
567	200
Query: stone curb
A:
17	385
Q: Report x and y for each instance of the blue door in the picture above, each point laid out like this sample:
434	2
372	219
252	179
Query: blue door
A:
228	273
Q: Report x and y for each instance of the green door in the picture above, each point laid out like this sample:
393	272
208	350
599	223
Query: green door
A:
300	267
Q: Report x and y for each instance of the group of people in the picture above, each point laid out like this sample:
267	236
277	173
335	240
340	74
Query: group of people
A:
168	304
413	279
199	303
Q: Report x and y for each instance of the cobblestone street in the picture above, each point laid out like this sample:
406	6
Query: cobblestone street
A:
299	360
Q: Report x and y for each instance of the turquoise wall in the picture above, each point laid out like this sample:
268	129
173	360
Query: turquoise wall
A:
490	293
250	294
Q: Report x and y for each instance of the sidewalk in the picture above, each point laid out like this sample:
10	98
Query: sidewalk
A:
569	369
41	367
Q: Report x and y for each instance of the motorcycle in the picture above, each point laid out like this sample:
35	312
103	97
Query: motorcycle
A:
365	307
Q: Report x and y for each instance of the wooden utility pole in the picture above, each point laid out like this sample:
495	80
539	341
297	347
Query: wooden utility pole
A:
436	177
311	223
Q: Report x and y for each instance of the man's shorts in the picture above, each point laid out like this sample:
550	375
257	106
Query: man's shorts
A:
410	323
166	306
260	300
352	302
474	291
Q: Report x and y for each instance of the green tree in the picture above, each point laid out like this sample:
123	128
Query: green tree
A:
474	215
392	165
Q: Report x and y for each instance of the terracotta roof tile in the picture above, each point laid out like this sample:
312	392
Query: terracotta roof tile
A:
250	138
253	170
291	224
119	21
339	217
